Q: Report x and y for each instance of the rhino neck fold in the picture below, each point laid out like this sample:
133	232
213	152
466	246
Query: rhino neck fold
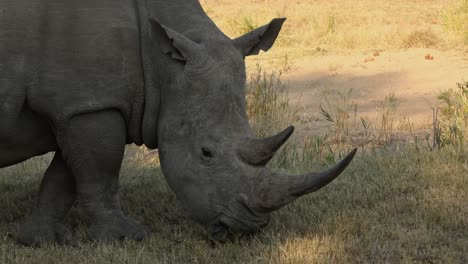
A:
152	97
184	16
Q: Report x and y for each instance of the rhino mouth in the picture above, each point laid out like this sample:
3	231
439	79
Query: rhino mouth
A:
236	220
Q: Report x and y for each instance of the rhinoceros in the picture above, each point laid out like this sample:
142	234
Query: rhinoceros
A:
85	78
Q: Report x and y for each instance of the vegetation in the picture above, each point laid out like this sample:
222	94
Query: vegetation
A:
402	200
389	207
452	127
405	205
317	27
267	100
456	20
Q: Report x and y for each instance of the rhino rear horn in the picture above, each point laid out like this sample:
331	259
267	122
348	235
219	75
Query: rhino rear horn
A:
258	152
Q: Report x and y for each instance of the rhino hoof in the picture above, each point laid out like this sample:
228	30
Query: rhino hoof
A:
118	228
32	233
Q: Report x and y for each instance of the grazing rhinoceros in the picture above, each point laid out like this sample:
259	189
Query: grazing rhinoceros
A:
85	78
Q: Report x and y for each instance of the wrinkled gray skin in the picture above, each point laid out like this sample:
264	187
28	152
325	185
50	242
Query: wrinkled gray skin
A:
85	78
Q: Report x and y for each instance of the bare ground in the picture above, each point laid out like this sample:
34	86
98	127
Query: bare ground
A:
414	77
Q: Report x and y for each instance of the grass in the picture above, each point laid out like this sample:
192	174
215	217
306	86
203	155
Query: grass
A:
398	202
392	205
321	27
387	111
388	207
421	39
267	100
456	20
452	127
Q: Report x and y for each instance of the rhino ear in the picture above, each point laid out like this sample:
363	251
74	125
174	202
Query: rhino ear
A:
173	43
261	38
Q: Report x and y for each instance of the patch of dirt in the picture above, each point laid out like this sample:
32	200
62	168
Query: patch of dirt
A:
414	76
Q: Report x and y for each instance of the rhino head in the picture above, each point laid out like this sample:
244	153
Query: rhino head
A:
209	154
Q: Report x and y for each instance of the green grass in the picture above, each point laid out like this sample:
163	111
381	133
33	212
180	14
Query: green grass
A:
388	207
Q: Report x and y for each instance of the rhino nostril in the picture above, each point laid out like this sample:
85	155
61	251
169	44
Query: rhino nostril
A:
218	232
207	153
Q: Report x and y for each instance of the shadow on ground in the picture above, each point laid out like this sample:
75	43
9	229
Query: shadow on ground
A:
387	207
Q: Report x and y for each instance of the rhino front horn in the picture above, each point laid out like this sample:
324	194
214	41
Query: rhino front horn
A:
259	152
275	190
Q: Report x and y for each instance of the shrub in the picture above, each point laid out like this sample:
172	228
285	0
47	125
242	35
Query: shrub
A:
452	126
421	39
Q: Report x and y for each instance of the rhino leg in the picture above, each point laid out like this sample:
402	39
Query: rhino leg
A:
56	196
93	146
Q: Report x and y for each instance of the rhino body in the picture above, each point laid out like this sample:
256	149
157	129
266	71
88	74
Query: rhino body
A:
85	78
61	59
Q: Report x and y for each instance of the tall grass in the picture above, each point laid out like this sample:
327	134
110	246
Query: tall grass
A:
337	111
451	126
456	19
267	101
269	111
387	110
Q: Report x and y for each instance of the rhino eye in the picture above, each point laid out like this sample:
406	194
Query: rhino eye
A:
207	153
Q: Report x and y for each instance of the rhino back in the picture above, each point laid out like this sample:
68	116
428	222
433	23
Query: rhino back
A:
63	58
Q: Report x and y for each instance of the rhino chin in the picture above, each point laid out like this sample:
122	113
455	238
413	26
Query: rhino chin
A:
240	218
227	228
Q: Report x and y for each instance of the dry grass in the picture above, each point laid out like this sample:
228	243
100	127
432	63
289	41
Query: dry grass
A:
268	107
391	206
388	207
343	26
456	20
421	39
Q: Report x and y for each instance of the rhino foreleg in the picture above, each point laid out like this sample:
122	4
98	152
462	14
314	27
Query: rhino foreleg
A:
93	146
56	196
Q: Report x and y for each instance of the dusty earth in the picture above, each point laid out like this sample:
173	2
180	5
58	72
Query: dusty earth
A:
414	76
